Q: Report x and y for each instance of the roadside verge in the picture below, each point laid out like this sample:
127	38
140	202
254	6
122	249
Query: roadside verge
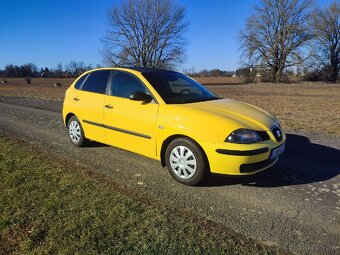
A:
49	204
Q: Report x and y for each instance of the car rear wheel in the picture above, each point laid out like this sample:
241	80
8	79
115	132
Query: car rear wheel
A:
76	132
186	162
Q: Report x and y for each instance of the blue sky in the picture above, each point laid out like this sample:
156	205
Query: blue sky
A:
48	32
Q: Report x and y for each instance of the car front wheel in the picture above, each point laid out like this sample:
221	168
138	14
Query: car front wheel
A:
186	162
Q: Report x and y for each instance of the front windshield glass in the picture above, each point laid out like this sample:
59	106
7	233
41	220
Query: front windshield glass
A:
176	88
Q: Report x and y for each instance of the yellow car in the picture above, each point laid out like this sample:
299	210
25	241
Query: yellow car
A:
170	117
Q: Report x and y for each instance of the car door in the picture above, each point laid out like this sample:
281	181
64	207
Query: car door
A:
89	100
130	124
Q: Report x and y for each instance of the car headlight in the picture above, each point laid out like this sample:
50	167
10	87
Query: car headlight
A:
244	136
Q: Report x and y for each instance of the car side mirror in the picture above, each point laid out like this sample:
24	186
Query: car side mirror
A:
140	96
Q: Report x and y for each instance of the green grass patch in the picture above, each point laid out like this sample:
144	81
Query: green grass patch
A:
52	207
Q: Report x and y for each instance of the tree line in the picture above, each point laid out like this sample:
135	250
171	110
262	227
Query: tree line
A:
71	70
285	34
279	35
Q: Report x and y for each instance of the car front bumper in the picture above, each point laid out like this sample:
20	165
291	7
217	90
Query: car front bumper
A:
241	159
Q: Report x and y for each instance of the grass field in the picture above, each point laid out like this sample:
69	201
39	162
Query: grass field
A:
49	206
310	107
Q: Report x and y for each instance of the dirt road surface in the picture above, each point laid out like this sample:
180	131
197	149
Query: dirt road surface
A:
294	205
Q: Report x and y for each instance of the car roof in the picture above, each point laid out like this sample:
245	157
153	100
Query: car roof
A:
133	70
149	70
142	70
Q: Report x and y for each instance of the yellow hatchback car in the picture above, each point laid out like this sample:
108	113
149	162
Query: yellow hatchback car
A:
170	117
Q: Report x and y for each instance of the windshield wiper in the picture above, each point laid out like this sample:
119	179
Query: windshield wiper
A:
210	99
213	98
188	101
197	100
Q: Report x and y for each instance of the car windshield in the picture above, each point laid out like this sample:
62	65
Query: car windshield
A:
176	88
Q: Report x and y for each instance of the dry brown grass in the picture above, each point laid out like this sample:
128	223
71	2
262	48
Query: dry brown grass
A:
310	107
219	80
40	88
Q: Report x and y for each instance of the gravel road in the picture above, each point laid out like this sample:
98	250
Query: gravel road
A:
295	204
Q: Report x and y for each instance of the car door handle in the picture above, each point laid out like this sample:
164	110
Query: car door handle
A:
76	99
108	106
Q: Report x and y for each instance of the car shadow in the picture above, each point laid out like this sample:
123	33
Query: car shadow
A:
94	144
303	162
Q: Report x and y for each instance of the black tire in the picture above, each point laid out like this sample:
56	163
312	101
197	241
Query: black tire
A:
76	132
189	167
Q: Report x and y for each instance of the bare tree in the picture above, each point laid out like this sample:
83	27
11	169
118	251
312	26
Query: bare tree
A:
275	35
326	25
76	68
59	70
147	33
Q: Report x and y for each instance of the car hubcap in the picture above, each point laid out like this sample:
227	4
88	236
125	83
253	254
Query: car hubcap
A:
183	162
74	131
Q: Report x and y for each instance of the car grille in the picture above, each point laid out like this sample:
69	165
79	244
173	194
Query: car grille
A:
277	133
247	168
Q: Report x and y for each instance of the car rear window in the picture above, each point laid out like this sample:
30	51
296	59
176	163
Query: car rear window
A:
97	81
80	81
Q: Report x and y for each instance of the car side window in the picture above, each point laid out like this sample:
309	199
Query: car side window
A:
124	84
79	83
97	81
